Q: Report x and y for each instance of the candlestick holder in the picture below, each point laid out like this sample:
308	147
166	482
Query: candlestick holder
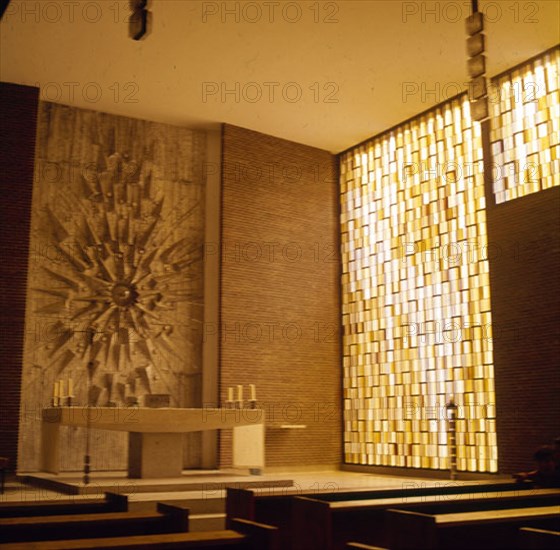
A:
54	401
239	404
229	404
252	403
69	401
452	433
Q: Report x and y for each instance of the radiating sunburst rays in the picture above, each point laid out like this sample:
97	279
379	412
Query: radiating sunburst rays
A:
124	273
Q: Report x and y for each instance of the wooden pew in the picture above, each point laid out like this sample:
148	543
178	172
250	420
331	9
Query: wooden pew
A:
246	503
324	525
167	519
260	535
538	539
489	529
270	504
272	507
113	502
4	461
248	535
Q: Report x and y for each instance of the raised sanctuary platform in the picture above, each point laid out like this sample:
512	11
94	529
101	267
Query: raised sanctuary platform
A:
155	448
206	481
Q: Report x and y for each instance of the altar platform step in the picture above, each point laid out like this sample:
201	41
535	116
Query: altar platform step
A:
205	483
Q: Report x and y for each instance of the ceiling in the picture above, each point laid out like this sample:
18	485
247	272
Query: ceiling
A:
329	74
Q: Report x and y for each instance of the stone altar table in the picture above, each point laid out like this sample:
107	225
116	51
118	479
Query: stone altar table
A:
155	444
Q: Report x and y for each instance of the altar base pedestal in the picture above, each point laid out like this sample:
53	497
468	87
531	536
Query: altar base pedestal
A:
155	455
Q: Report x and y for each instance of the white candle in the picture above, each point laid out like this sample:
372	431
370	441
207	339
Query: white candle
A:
56	392
70	388
253	390
61	389
230	393
240	392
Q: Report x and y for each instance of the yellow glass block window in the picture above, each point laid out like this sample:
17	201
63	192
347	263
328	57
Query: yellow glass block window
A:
415	296
525	110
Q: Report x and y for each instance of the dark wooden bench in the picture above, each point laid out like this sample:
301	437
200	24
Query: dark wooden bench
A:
483	530
112	502
360	546
538	539
247	535
4	461
167	519
318	524
271	506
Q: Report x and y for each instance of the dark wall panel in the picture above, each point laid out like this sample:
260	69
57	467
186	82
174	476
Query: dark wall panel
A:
18	117
525	293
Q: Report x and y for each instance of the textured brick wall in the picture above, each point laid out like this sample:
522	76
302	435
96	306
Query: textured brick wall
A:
524	235
18	117
280	316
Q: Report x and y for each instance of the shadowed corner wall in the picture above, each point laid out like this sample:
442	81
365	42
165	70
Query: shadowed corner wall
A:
280	296
524	255
18	117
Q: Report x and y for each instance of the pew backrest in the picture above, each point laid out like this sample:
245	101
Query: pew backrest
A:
334	523
538	539
248	536
312	527
113	502
361	546
261	536
244	503
169	541
168	519
240	503
414	530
